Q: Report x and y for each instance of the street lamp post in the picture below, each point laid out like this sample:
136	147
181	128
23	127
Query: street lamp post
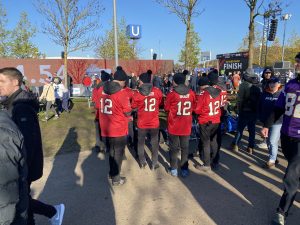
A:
116	34
285	18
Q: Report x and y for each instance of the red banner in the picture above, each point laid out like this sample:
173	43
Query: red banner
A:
36	71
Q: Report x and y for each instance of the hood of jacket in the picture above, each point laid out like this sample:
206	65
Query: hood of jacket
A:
181	89
214	92
111	87
21	96
264	71
145	89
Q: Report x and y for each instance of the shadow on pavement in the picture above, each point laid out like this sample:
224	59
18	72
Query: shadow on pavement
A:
81	185
251	200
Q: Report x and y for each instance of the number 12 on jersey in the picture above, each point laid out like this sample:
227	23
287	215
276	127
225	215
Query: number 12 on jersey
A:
184	108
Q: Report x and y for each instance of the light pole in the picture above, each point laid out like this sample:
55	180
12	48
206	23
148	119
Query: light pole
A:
116	34
285	18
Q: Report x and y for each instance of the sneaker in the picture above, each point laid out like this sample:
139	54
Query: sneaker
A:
185	173
46	119
119	182
278	219
56	117
58	217
250	150
269	165
262	145
143	165
155	166
215	166
234	148
203	168
173	172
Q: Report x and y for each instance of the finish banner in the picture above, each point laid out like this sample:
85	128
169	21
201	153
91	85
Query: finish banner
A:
233	62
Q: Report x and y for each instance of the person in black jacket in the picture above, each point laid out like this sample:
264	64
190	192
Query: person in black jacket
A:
22	107
267	74
13	174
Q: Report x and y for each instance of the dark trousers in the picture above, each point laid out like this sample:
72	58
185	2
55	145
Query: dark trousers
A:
164	135
116	153
249	120
130	133
153	133
58	103
219	142
40	208
99	140
291	150
50	106
179	143
208	142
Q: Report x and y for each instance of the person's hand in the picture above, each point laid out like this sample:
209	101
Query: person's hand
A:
264	132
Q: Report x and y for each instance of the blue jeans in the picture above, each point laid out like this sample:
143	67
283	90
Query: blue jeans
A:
249	120
272	141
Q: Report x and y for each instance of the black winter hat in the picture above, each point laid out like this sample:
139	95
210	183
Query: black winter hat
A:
185	72
145	78
104	76
120	75
213	77
179	78
203	81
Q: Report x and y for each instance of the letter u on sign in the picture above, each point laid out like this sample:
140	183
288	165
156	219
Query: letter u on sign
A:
134	31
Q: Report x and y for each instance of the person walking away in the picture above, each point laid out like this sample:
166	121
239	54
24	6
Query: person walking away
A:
147	101
49	96
113	111
288	105
58	91
247	104
13	174
209	114
180	104
22	107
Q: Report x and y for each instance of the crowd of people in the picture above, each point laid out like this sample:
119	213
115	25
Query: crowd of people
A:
127	113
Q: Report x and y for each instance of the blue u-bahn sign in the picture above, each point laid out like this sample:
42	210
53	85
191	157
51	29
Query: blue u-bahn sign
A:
134	31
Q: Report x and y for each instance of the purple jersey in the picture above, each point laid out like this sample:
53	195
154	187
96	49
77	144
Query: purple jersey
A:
289	99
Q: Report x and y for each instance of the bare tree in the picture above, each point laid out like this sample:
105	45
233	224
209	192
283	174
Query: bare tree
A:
185	10
70	24
254	7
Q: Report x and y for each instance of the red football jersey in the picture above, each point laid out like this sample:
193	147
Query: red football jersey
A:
180	109
113	121
148	108
223	95
208	108
129	93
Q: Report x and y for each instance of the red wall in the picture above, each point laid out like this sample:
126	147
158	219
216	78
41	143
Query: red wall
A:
37	70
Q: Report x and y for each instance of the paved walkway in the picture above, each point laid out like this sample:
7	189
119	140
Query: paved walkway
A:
240	193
